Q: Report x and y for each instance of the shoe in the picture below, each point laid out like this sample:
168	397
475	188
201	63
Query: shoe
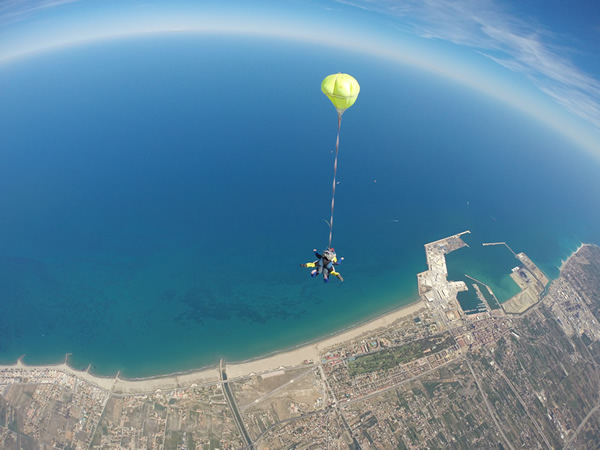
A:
313	273
325	280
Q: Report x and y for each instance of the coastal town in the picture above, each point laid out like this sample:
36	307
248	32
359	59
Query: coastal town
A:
521	374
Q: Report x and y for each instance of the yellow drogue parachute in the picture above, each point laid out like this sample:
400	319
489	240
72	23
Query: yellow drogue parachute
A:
342	89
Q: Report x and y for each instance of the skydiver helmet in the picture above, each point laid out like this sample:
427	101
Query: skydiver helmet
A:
329	254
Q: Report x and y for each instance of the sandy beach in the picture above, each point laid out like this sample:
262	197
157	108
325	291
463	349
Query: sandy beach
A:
288	358
311	351
564	263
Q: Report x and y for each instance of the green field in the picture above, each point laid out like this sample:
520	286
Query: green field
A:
392	357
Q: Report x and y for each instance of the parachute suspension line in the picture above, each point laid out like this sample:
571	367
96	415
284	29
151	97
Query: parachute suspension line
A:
337	147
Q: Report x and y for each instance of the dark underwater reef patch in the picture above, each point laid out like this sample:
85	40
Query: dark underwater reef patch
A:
203	304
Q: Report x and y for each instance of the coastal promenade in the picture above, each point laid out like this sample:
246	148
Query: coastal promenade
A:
116	384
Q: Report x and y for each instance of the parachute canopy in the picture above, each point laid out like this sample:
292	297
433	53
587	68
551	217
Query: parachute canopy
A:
342	89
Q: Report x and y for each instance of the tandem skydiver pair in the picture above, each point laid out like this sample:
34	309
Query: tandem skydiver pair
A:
325	264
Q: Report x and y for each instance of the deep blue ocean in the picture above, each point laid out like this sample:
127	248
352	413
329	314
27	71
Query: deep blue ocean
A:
158	194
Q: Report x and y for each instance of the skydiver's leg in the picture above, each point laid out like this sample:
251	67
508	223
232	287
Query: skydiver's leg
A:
310	264
318	269
337	274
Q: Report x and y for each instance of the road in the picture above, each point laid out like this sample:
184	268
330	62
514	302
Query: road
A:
233	406
585	419
489	407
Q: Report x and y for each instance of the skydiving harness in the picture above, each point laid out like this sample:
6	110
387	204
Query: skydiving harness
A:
328	256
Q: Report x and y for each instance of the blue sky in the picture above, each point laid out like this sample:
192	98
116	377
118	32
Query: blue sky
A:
539	56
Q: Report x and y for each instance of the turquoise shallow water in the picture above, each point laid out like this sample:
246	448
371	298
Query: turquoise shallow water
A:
159	194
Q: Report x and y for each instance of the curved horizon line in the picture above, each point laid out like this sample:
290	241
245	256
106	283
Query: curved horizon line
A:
490	83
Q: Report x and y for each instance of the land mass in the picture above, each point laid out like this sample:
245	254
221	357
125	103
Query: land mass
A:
427	376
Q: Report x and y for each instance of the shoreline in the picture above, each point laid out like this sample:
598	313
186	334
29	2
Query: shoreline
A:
311	350
330	335
294	356
564	263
